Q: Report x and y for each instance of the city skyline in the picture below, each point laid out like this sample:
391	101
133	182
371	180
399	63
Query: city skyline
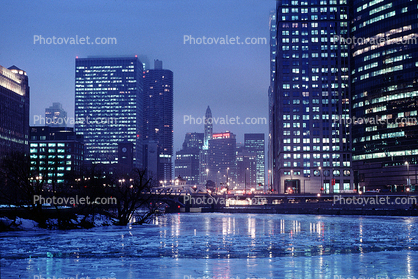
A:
279	139
235	74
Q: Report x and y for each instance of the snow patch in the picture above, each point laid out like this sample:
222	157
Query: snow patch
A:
19	224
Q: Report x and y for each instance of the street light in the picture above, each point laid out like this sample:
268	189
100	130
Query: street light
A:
320	173
121	181
245	182
217	176
268	180
291	179
227	179
407	167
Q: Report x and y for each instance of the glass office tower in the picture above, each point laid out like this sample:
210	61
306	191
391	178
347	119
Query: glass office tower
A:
109	106
384	69
222	159
254	143
271	135
312	150
158	117
14	111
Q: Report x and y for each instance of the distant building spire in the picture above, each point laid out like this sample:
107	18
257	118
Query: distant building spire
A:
208	128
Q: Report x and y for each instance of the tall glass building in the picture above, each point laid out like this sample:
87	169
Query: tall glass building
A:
158	117
311	150
273	50
14	111
109	106
384	69
222	158
254	143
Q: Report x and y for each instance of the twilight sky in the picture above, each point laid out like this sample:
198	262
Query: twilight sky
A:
232	79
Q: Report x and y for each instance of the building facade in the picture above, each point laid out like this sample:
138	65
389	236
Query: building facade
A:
271	135
246	169
384	64
109	106
187	159
158	117
56	116
254	143
312	152
14	110
222	162
56	154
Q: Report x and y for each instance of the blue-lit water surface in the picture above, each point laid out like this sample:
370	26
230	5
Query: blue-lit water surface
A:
216	245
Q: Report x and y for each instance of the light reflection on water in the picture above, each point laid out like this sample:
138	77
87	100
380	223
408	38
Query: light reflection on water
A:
225	245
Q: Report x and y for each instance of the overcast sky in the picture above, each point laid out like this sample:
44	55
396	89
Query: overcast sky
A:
232	79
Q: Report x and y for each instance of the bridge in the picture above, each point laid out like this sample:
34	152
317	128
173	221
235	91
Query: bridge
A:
191	199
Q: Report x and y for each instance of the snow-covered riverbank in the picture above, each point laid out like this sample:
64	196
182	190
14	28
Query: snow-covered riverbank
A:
97	220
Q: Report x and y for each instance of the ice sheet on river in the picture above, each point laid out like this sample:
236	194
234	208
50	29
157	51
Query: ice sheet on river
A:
220	245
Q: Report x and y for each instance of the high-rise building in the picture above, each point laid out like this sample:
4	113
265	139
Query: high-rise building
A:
208	128
14	110
56	154
109	106
273	49
222	162
187	159
158	117
246	169
254	143
56	116
204	155
311	151
384	67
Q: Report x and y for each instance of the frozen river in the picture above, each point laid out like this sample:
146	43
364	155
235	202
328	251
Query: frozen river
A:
216	245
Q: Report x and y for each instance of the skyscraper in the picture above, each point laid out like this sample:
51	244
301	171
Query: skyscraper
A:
14	110
56	116
109	106
384	45
254	143
311	151
208	127
158	116
273	49
246	168
187	159
204	155
222	163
